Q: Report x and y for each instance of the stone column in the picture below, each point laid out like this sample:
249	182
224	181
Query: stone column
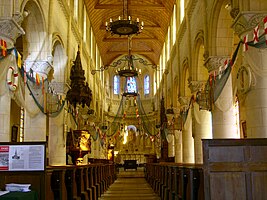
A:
57	141
188	141
10	30
202	124
35	120
202	129
223	118
171	129
178	146
253	85
5	118
171	146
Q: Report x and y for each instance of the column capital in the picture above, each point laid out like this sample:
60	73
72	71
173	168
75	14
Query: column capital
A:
10	28
39	66
247	21
184	102
196	86
214	62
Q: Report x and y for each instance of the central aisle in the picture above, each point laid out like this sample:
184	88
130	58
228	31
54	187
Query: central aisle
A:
130	185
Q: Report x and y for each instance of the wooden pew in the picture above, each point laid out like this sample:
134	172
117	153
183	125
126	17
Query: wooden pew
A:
176	181
82	182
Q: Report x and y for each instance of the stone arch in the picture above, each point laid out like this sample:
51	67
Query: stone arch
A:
36	37
175	91
200	73
220	36
145	73
185	91
59	59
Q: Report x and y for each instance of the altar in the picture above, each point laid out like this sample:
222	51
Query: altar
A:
130	164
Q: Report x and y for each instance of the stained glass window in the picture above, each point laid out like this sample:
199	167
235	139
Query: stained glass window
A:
146	84
116	84
131	85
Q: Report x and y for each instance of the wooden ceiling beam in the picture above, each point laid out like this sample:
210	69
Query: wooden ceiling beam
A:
156	28
126	39
131	6
133	52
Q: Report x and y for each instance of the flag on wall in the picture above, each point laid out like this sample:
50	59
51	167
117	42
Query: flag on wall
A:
25	76
265	28
245	45
256	34
37	79
18	57
19	60
3	47
43	88
210	79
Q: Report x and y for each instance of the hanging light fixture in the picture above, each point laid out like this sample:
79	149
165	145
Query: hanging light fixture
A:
129	70
124	25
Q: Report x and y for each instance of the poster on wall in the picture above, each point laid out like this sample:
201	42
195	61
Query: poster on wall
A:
26	157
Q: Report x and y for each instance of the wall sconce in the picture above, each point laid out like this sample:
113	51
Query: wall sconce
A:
102	68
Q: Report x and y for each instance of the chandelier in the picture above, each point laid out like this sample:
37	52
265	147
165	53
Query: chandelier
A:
128	71
124	25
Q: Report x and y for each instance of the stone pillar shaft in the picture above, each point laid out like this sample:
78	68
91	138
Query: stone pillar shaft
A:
223	118
255	59
178	147
171	147
202	129
188	141
57	141
5	118
256	98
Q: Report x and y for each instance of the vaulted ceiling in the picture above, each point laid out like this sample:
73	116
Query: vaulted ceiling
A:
156	15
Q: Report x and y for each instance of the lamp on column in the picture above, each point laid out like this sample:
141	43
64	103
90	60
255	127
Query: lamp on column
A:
170	115
203	99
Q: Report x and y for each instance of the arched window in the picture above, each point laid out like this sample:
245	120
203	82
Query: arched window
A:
131	85
182	10
76	9
116	84
236	116
146	84
84	24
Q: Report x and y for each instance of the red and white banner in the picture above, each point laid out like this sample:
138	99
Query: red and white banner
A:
245	45
3	47
256	34
265	28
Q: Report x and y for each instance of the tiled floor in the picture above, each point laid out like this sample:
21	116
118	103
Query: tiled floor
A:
130	185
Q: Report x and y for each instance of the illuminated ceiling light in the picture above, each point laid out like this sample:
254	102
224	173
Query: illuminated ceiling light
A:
130	94
124	25
127	72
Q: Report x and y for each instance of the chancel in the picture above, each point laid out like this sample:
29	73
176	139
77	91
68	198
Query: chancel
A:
128	99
